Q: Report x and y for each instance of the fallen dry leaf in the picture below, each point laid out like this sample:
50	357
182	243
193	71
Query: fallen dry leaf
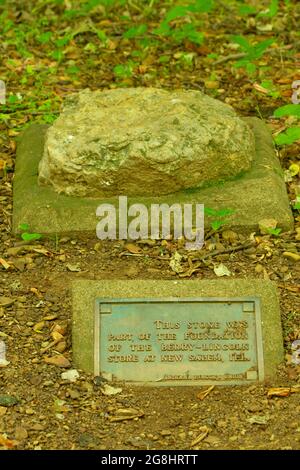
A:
74	268
282	391
43	251
258	419
4	442
291	256
60	361
123	414
51	317
60	328
108	390
201	395
39	326
132	248
204	432
260	88
221	270
56	336
4	263
35	291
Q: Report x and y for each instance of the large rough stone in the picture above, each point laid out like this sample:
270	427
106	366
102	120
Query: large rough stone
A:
143	141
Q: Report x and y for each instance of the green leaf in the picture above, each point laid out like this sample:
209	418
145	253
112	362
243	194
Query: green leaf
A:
271	10
123	71
288	110
57	55
188	31
101	35
176	12
162	30
202	6
210	212
289	137
269	85
243	43
225	212
258	50
246	64
250	68
44	37
135	31
216	224
213	55
13	99
4	117
49	118
61	42
73	70
247	10
196	36
274	231
296	206
28	237
164	58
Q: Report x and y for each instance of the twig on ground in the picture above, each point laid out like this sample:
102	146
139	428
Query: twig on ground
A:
240	55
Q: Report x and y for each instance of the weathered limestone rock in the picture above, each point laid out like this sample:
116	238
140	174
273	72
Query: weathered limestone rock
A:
143	141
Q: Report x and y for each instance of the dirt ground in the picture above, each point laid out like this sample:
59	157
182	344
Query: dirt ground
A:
50	413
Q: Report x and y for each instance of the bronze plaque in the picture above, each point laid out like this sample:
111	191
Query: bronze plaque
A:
179	341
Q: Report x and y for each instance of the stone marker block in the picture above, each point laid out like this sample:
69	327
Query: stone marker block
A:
258	194
143	141
177	332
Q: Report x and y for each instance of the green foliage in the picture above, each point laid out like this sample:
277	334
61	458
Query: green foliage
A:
292	134
274	231
187	59
253	52
288	110
124	70
176	12
296	206
272	91
202	6
247	10
216	224
44	38
220	216
188	31
28	236
135	31
288	137
180	11
271	11
164	59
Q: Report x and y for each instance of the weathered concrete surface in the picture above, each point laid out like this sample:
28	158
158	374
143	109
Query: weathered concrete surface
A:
259	194
85	292
143	142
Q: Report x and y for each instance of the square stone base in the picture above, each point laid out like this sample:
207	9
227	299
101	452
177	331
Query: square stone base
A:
256	195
